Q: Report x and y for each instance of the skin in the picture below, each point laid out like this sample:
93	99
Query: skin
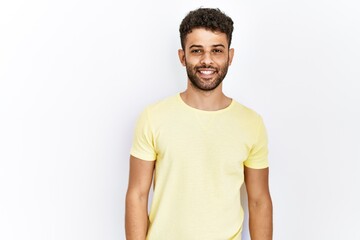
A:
203	47
136	215
206	57
259	203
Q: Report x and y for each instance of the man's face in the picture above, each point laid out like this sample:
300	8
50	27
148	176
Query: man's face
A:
206	57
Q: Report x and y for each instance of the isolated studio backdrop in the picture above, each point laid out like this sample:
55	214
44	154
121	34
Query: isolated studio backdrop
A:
75	75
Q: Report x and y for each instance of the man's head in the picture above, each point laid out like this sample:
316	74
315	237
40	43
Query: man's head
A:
208	18
205	38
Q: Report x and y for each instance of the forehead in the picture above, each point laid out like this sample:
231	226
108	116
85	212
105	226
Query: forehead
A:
204	37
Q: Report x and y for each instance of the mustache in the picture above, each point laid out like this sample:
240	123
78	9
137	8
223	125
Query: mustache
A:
206	66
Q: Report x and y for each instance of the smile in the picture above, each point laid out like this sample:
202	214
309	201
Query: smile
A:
207	72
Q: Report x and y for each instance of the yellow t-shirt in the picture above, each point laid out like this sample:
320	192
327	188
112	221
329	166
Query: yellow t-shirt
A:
199	167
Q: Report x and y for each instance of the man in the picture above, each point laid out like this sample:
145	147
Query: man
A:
200	146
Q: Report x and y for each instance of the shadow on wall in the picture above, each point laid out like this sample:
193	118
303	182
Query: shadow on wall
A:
244	203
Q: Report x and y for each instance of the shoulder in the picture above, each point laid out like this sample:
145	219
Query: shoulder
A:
162	108
251	123
163	104
246	113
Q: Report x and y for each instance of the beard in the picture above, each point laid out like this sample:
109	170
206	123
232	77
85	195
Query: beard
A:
207	84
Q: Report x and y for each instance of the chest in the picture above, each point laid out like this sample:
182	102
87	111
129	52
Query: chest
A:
199	142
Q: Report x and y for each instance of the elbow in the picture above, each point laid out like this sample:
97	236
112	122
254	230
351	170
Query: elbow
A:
264	204
136	196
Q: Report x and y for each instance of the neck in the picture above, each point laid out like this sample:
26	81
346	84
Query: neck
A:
205	100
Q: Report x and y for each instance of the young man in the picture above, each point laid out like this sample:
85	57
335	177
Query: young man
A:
200	146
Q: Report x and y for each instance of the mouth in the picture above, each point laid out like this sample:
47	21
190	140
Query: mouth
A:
206	72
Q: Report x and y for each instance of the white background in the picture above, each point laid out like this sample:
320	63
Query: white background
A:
75	75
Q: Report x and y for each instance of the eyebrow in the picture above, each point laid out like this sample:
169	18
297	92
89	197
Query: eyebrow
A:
218	45
200	46
195	46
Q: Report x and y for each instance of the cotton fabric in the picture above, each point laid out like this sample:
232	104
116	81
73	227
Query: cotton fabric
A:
200	158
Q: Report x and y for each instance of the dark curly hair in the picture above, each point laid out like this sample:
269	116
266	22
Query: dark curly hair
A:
209	18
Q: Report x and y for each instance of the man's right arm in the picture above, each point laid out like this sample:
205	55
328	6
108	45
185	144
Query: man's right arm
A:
136	215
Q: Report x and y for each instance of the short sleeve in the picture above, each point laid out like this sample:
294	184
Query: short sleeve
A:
143	141
258	157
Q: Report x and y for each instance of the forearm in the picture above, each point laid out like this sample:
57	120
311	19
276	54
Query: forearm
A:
260	220
136	217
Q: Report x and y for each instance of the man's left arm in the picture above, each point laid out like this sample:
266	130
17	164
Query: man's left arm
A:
259	203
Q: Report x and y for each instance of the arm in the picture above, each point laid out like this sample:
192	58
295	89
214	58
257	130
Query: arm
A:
136	215
259	203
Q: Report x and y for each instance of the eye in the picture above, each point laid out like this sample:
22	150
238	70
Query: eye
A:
196	51
216	50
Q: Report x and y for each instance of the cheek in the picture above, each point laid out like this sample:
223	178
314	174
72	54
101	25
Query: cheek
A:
222	62
190	61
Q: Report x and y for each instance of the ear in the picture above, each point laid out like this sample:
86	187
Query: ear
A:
181	54
231	55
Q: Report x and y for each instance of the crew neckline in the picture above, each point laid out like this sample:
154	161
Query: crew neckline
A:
204	111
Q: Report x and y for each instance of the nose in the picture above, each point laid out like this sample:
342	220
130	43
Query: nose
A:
206	58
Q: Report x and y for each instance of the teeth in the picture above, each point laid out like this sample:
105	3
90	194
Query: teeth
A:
207	72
